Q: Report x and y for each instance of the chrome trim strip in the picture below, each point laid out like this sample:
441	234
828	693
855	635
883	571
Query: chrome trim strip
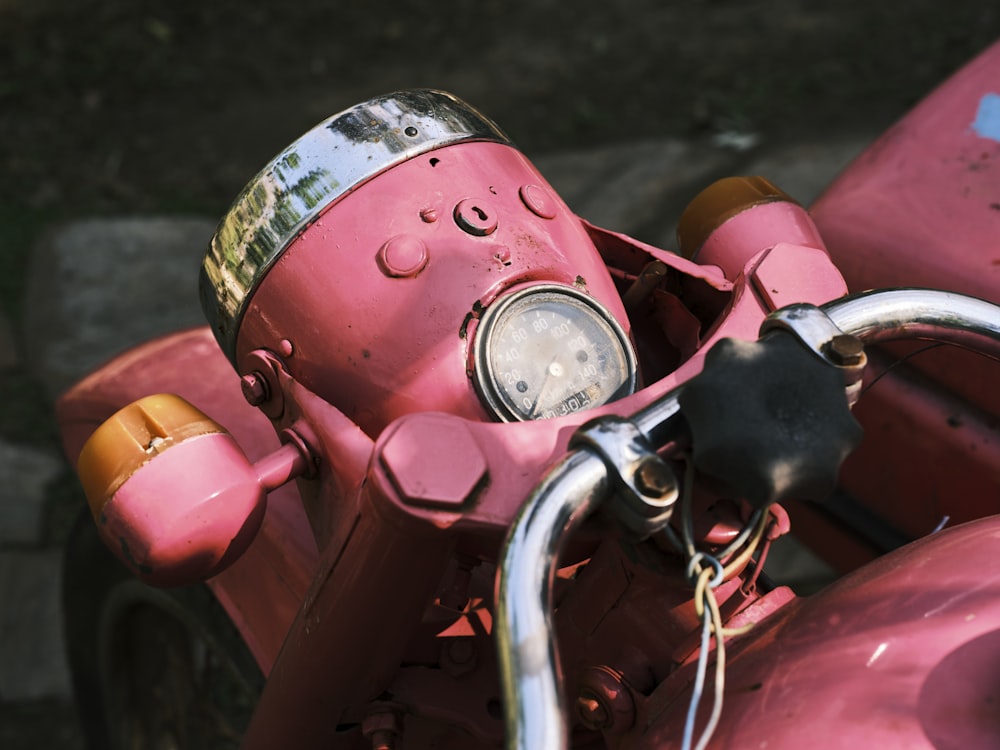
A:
326	163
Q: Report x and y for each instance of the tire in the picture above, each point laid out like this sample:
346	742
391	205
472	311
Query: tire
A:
152	669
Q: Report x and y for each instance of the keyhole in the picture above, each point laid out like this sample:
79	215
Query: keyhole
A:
475	217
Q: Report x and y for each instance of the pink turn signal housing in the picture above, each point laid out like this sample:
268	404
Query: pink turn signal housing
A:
172	493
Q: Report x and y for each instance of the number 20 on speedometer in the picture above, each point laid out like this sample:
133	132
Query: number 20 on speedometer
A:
547	351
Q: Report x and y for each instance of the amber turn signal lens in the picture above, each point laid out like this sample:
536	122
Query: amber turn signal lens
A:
133	436
718	203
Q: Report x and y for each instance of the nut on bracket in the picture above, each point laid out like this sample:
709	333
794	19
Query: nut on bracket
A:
260	381
817	332
647	487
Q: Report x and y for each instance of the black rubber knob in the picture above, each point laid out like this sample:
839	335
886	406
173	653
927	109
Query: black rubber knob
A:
769	419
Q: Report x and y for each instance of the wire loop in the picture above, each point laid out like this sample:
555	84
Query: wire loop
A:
698	564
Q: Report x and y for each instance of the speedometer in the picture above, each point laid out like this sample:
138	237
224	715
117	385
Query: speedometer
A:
547	351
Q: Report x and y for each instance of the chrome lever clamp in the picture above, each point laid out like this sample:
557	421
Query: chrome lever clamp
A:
646	487
818	333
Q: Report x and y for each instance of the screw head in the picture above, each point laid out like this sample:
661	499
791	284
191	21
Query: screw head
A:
459	656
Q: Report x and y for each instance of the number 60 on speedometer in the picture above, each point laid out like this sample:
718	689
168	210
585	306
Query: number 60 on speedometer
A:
547	351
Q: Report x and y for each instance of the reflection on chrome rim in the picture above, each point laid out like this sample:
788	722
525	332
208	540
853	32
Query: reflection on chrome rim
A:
326	163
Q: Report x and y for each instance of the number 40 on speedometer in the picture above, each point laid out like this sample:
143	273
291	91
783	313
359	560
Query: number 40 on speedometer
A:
547	351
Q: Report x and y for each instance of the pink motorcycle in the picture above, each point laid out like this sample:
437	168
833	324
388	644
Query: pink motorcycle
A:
493	476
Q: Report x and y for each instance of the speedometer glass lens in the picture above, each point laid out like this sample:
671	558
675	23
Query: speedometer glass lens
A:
548	351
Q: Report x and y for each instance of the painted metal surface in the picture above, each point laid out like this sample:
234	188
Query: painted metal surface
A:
263	590
400	505
921	207
378	345
367	595
872	661
327	162
375	512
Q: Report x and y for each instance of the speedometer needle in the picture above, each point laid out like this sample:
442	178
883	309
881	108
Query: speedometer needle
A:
553	370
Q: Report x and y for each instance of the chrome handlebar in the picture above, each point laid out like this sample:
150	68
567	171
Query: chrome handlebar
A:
534	708
946	317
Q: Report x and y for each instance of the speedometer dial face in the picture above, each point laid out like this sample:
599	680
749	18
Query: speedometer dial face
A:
547	351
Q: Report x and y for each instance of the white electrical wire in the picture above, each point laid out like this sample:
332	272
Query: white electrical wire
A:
706	572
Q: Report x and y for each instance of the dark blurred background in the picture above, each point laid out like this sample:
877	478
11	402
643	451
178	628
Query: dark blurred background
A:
167	105
126	107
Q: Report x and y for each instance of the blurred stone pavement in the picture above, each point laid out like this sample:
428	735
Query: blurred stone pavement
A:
99	286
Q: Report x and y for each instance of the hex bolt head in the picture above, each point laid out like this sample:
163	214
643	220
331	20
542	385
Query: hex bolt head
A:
254	388
845	350
433	461
653	478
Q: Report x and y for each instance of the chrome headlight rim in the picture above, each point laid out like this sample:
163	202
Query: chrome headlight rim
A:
323	165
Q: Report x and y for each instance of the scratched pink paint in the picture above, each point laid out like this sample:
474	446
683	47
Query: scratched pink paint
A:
352	584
